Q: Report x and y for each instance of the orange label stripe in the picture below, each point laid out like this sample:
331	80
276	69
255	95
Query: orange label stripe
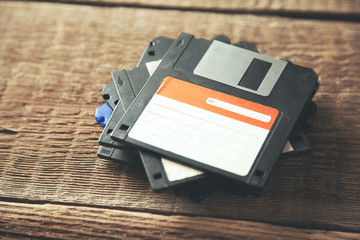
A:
196	96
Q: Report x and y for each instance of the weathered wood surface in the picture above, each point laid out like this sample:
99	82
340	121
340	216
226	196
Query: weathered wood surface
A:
339	7
22	220
55	59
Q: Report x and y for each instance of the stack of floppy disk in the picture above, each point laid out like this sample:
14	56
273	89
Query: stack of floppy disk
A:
199	114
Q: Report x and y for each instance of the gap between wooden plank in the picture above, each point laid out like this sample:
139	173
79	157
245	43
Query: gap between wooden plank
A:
307	13
66	221
15	201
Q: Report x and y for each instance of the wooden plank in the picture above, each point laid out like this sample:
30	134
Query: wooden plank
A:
335	7
24	220
55	59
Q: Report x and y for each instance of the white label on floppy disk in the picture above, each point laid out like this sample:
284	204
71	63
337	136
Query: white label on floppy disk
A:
205	125
176	171
152	66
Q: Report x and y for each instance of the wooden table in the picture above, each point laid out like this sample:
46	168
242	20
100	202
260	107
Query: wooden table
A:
55	57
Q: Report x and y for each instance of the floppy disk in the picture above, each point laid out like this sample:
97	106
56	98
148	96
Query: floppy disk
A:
219	108
164	173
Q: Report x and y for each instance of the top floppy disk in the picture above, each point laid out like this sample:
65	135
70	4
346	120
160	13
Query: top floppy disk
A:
219	108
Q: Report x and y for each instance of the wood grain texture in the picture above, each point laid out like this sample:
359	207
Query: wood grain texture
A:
335	7
53	221
55	59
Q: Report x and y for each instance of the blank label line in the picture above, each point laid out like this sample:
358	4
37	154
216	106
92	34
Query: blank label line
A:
200	140
212	133
216	124
190	147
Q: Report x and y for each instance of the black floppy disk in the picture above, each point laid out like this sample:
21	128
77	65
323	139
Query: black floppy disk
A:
208	98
